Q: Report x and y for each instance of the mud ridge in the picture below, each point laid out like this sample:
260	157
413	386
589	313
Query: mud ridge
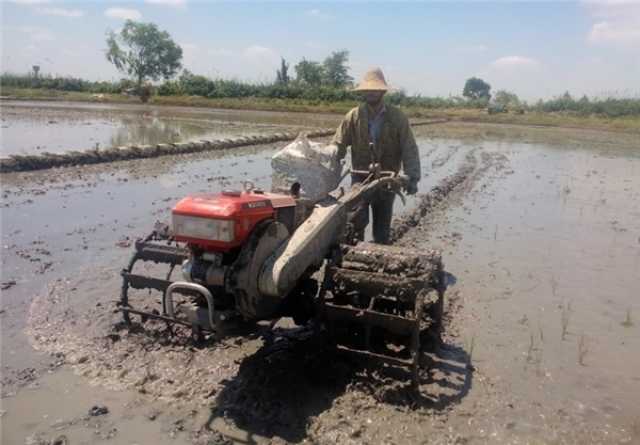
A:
431	199
430	122
47	160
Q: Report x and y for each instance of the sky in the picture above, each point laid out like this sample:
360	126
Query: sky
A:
534	49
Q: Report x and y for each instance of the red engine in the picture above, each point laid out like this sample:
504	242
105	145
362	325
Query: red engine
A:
221	222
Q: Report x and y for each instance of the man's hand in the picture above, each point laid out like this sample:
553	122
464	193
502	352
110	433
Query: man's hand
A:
412	187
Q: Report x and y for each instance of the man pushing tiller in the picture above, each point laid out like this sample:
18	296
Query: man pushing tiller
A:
378	134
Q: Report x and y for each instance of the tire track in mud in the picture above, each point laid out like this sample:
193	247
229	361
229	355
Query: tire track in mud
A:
443	159
440	196
409	228
436	196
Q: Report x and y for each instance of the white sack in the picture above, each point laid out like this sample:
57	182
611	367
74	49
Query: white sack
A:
311	164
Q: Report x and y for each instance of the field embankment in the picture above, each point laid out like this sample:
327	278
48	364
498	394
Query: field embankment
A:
630	123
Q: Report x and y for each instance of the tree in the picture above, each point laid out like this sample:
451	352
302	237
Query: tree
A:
282	75
476	88
194	85
143	52
506	99
36	73
584	100
336	71
308	72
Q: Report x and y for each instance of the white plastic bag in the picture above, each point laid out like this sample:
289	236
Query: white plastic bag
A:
311	164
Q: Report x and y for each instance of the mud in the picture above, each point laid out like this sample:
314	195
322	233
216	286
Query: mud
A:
16	163
531	234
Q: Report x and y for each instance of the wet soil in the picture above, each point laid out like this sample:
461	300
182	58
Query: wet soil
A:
539	233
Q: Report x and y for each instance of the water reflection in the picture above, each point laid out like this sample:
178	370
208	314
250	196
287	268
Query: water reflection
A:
27	130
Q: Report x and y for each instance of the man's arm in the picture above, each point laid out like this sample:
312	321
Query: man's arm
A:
410	156
343	136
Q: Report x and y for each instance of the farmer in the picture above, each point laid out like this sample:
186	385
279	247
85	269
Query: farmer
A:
388	129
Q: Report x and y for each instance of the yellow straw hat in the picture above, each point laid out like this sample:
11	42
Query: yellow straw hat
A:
373	80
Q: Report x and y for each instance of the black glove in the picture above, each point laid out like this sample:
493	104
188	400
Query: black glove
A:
412	187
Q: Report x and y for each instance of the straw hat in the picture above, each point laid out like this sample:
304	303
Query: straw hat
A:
373	80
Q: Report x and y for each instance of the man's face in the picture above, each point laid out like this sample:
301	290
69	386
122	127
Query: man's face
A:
372	98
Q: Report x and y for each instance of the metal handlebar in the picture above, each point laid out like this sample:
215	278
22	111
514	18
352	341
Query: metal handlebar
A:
364	189
402	180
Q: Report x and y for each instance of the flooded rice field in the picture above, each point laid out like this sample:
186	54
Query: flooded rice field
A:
540	234
29	128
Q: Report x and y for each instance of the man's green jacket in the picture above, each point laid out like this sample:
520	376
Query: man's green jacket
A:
396	146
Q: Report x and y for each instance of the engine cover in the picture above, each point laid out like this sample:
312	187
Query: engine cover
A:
223	221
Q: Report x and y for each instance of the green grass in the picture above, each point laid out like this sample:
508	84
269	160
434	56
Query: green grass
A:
556	119
53	95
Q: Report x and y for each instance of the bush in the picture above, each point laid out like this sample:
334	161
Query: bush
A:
496	108
170	88
61	83
609	107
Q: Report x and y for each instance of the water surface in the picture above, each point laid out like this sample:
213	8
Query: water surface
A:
35	127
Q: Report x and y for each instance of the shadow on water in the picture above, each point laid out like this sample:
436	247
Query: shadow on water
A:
296	377
445	379
454	363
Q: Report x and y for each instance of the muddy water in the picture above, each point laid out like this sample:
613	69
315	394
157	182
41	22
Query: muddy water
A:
32	128
546	254
536	227
55	400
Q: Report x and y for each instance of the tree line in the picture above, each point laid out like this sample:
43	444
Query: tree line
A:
189	84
